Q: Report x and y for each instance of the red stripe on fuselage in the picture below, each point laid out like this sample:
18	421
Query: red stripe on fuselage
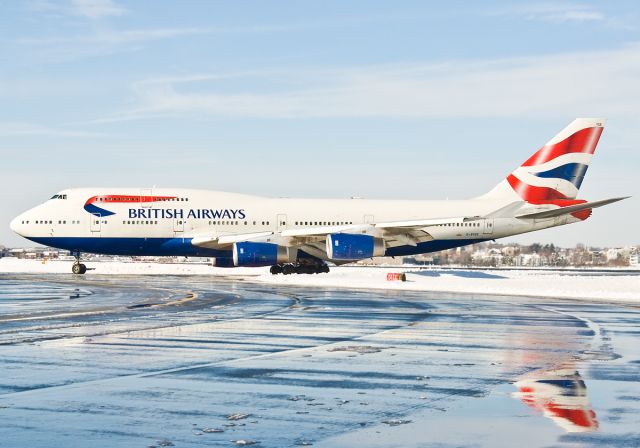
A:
583	141
119	199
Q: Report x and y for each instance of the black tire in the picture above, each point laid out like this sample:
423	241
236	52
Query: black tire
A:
83	269
276	269
324	269
77	268
288	269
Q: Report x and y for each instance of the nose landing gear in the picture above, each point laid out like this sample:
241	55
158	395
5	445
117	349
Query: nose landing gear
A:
78	268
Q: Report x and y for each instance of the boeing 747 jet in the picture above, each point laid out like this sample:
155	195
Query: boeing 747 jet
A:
303	235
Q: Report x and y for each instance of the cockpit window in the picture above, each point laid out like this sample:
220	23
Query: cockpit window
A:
59	196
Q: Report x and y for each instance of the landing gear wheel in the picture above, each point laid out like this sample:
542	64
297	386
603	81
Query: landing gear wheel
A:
288	269
78	268
308	269
276	269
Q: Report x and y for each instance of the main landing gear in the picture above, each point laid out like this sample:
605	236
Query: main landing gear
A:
78	268
299	268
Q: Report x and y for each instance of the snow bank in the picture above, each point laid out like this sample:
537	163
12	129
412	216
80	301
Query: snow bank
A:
580	285
549	283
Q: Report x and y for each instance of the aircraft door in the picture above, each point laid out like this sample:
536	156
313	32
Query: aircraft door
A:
178	226
95	224
487	226
281	221
368	219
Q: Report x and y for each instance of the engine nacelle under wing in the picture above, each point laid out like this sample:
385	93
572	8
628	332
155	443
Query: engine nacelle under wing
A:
258	254
345	246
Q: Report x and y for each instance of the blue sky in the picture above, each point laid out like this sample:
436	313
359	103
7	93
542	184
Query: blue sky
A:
420	100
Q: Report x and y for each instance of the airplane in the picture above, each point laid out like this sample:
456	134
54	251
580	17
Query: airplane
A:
303	235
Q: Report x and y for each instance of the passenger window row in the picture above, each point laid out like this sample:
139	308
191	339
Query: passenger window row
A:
139	222
225	223
461	224
51	222
323	223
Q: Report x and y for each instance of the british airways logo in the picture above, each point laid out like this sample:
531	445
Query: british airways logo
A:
194	213
91	207
157	213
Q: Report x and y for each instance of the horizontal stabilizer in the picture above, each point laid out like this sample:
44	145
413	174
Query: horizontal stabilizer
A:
570	209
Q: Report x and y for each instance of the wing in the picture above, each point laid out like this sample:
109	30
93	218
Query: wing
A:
312	240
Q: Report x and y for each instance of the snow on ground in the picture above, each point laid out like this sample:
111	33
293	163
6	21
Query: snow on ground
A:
618	286
495	282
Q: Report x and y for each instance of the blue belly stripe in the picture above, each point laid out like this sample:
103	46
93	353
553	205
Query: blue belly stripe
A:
131	246
158	247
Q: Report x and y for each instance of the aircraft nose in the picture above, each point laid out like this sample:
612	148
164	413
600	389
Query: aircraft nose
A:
15	225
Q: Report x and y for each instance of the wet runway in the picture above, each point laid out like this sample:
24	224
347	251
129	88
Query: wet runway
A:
107	361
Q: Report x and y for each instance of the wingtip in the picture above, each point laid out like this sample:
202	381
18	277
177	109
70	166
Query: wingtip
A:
612	200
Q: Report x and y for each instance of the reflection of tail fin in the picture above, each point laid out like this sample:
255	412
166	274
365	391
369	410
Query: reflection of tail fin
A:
556	170
560	395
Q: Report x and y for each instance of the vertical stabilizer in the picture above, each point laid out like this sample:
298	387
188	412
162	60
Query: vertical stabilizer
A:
555	171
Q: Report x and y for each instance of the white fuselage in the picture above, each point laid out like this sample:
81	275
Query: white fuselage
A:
126	221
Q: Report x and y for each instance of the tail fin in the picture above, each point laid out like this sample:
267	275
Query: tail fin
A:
555	171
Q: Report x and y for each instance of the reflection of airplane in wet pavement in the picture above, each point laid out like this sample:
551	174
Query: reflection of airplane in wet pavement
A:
560	395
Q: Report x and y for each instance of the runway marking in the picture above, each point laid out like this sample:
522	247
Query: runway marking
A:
189	297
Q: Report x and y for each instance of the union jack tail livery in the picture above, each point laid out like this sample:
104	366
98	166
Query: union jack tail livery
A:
553	174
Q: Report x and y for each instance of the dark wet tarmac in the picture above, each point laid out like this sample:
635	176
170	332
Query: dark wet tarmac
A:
108	361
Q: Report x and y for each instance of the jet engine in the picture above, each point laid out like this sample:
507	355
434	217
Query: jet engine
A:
259	254
345	246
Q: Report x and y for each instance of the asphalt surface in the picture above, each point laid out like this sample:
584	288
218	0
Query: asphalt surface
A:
141	361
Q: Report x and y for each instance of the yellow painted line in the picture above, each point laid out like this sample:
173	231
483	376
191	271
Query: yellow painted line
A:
190	296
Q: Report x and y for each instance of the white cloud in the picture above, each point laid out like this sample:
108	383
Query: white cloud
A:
91	9
97	9
585	83
21	129
113	37
554	12
56	49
